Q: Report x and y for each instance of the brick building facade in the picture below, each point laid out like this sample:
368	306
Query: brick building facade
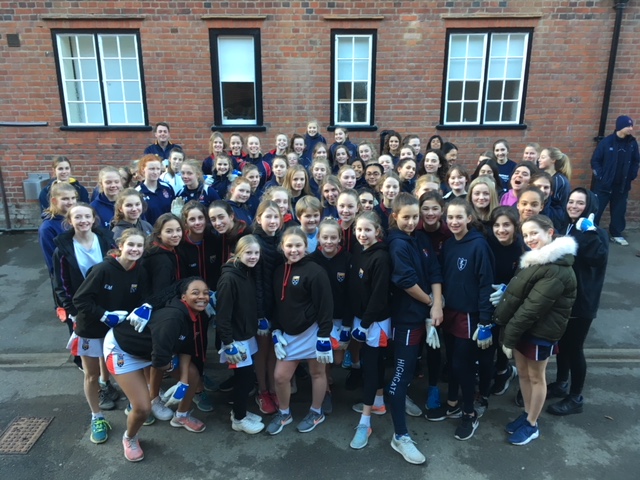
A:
553	95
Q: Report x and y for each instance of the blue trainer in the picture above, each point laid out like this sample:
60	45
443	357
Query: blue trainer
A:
524	434
99	427
511	427
433	398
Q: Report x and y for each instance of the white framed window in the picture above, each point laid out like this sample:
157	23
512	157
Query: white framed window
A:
237	78
485	79
101	79
353	77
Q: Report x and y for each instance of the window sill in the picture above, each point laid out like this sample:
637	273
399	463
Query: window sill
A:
354	128
238	128
522	126
107	128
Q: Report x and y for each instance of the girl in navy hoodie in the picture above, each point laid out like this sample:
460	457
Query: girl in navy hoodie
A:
63	197
341	136
468	271
110	185
369	293
195	187
62	173
417	296
222	176
237	198
312	138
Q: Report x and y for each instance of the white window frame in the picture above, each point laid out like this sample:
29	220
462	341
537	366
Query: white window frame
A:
485	78
100	88
352	60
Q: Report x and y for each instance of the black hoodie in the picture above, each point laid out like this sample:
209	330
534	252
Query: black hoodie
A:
303	297
590	263
237	313
369	276
162	266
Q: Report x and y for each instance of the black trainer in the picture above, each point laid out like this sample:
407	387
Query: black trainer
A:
503	380
568	405
557	389
519	400
467	427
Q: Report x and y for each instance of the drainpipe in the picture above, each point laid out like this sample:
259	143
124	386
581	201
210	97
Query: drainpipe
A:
619	7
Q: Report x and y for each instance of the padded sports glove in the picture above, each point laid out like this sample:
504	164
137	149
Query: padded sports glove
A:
264	326
176	206
234	352
359	334
140	317
496	296
483	336
345	337
111	319
586	224
507	351
279	343
175	394
324	353
433	340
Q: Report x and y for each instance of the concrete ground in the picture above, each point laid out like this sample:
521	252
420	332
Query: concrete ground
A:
38	380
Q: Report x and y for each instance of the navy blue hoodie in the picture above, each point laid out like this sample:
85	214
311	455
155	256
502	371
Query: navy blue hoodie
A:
105	209
412	263
468	270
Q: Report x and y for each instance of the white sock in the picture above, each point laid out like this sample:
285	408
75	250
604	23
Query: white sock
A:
378	401
95	416
365	420
316	410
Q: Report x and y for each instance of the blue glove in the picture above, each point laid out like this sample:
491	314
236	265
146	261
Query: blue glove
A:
140	317
586	224
173	364
211	306
279	343
496	296
483	336
263	327
233	351
345	337
359	334
324	352
111	319
175	394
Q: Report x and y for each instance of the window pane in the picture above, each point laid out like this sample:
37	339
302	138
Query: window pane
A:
86	46
455	91
360	91
472	91
499	45
476	46
74	91
360	112
453	112
112	70
474	69
458	46
345	47
132	92
470	112
344	91
128	46
492	113
75	111
517	45
496	68
361	47
344	113
361	70
130	69
70	69
509	111
94	114
514	68
494	92
345	70
511	90
92	91
134	113
114	92
89	69
456	69
236	61
66	44
238	101
109	45
116	113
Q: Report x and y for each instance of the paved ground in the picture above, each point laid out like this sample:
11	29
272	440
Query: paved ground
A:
38	380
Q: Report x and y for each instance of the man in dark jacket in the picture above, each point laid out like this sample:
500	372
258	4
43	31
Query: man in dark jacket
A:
615	165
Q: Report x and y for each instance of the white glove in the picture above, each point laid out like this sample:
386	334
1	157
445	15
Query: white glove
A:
175	394
324	352
263	327
234	352
176	206
496	296
279	343
208	180
586	224
483	336
111	319
433	340
507	351
140	317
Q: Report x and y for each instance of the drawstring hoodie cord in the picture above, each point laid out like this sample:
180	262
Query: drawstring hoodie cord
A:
285	280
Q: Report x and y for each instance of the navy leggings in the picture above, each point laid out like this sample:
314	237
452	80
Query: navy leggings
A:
372	365
462	355
571	354
405	364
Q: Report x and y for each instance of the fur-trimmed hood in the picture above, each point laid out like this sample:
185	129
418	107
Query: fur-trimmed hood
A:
551	253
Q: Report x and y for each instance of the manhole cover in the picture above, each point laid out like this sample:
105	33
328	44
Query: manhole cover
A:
22	433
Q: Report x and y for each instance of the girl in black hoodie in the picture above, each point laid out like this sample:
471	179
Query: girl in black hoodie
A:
237	327
112	290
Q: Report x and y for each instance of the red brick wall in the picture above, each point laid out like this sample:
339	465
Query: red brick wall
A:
567	75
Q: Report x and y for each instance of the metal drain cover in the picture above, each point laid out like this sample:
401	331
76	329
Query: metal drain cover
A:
22	434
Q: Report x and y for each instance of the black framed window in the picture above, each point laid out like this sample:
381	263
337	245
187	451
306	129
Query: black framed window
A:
101	78
485	78
237	77
353	54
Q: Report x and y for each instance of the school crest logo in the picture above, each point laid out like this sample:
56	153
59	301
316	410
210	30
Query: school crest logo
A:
340	276
426	252
212	258
134	288
85	344
120	360
361	273
165	193
462	262
295	280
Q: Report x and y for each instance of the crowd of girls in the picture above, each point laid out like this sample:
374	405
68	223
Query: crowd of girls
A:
326	255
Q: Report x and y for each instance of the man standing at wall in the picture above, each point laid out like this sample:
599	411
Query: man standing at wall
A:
615	165
162	146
